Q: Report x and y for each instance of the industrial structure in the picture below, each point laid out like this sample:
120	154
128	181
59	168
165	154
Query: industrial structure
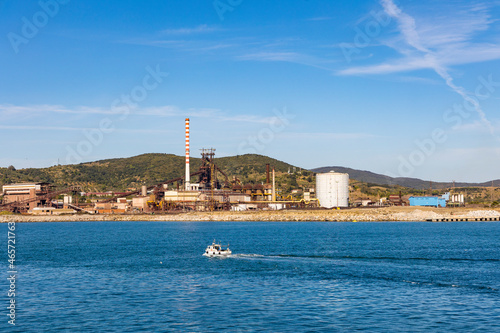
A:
332	189
456	199
187	177
31	197
447	199
207	189
396	200
430	201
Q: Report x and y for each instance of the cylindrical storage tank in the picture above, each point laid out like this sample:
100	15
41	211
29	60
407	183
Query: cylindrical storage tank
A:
258	188
332	189
248	188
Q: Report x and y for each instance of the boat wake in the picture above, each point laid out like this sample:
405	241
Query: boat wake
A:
247	255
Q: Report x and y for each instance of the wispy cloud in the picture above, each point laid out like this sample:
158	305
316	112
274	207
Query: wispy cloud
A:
272	56
249	119
156	111
416	79
406	24
320	18
183	45
329	136
40	128
475	126
444	39
458	55
291	57
201	29
9	109
160	111
239	48
428	52
78	129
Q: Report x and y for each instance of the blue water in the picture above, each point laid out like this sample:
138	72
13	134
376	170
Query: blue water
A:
283	277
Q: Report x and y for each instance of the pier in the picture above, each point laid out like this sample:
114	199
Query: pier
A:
465	219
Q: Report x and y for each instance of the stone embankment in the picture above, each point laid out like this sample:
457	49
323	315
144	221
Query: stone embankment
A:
347	215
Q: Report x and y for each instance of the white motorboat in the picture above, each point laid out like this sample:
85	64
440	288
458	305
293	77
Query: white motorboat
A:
216	250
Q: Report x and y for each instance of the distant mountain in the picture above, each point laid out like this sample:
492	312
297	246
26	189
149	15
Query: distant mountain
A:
375	178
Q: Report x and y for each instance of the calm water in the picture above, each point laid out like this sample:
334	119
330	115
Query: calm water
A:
283	277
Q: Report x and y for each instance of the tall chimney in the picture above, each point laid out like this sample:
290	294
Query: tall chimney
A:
187	179
267	173
273	193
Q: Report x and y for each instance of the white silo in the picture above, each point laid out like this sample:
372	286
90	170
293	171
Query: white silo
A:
332	189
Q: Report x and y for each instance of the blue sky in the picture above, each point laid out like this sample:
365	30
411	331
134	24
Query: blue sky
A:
404	88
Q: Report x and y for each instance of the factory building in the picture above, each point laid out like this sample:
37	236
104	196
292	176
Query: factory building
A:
430	201
206	189
456	200
31	195
332	189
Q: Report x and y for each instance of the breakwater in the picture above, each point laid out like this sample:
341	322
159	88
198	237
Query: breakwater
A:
419	214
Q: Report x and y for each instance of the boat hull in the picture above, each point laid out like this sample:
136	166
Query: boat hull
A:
216	250
217	253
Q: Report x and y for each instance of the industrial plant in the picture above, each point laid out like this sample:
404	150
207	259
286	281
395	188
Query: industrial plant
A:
208	188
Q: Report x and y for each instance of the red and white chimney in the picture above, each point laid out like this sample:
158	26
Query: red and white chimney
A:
187	178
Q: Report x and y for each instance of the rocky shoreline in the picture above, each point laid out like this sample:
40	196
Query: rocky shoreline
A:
416	214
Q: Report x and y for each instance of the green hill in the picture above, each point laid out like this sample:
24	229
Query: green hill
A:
120	174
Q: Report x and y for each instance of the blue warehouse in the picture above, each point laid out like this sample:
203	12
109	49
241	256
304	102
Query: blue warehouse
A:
430	201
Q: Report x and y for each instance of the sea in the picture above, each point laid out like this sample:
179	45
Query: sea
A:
282	277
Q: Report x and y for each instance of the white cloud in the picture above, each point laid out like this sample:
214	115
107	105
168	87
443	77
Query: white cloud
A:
402	65
76	129
164	111
475	126
320	18
459	54
201	29
9	109
249	119
15	111
40	128
406	24
291	57
421	56
272	56
329	136
448	38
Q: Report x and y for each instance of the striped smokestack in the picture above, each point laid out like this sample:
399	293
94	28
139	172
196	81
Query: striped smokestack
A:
187	179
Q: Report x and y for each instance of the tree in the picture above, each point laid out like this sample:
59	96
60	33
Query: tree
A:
11	168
